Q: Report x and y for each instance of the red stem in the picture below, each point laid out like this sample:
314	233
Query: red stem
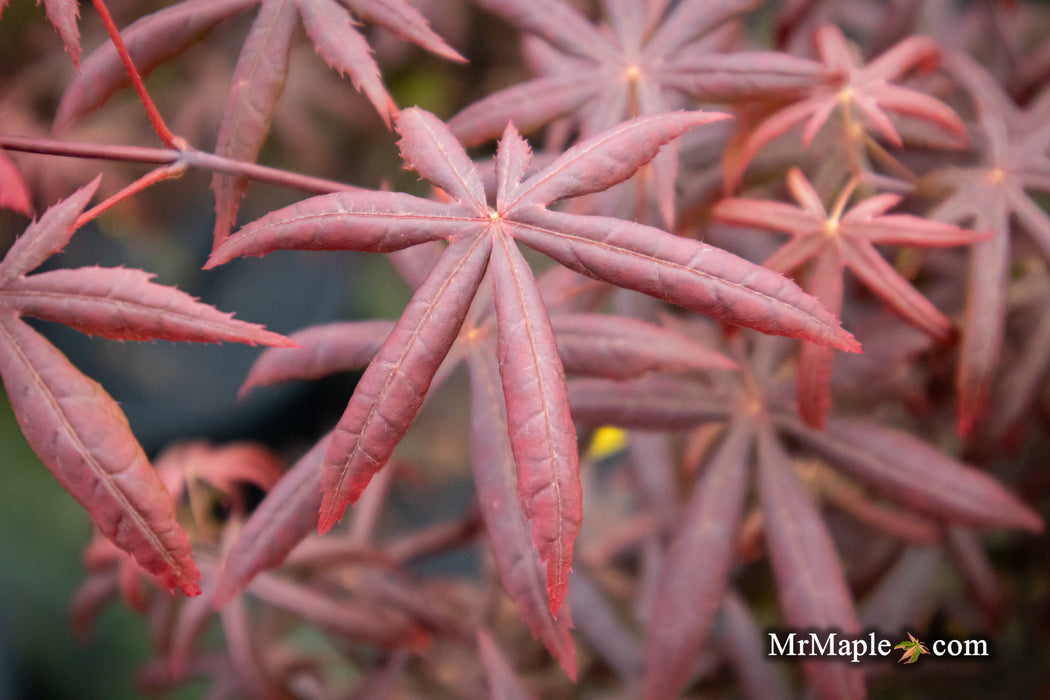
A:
156	175
169	139
264	173
188	157
100	151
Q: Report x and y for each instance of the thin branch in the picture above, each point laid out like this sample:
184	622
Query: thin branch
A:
264	173
169	139
188	157
100	151
166	172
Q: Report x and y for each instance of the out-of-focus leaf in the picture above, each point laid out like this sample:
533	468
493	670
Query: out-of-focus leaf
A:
504	684
810	583
970	557
867	92
619	347
696	569
322	350
359	620
918	475
906	593
597	620
748	649
639	59
150	41
14	194
286	515
655	402
1013	160
842	239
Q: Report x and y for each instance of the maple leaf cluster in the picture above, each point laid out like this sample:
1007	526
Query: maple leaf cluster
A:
680	427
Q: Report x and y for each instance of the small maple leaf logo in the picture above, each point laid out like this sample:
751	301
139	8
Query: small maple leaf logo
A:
913	649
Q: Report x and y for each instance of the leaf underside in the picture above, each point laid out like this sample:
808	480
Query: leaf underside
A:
74	426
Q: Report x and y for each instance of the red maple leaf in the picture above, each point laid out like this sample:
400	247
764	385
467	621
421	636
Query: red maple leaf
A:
484	239
643	59
73	425
836	240
863	96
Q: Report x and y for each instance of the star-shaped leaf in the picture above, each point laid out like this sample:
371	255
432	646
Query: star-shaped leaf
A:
862	93
758	428
993	194
485	239
842	239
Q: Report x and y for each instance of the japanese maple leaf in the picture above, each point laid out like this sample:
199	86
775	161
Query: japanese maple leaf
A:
484	239
862	92
1025	371
913	649
644	59
837	240
73	425
759	429
589	344
262	67
992	195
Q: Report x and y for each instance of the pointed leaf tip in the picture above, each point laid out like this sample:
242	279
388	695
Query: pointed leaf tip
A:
80	434
47	235
610	157
845	341
332	508
543	440
392	389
